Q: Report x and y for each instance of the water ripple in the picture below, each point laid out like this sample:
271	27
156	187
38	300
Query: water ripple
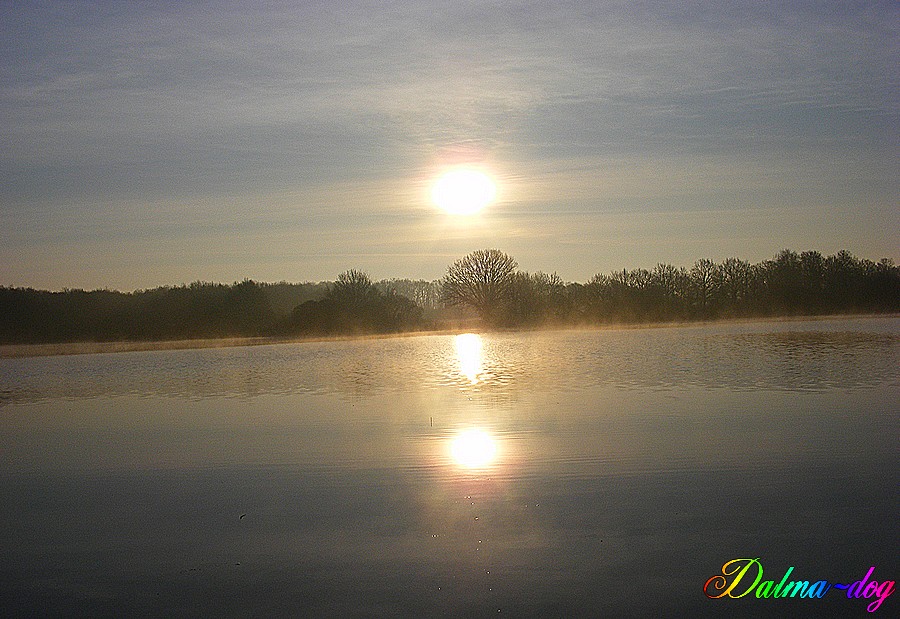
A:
810	355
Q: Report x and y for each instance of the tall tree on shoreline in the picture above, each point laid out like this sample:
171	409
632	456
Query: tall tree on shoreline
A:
482	280
353	289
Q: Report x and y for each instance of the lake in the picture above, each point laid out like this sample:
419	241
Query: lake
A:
544	474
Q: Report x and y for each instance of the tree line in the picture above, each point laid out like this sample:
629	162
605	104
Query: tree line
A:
486	285
790	284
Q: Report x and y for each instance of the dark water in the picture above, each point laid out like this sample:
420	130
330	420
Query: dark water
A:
615	472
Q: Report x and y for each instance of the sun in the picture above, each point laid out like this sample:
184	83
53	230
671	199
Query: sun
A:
463	191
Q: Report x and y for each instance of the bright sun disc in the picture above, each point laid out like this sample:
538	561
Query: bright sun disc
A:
463	191
474	449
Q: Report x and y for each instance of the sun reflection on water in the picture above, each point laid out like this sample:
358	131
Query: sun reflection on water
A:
468	351
474	449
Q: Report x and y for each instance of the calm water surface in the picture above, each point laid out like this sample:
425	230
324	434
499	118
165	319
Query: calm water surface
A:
598	473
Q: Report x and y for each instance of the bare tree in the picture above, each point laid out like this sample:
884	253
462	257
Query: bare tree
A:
734	282
703	284
482	280
352	289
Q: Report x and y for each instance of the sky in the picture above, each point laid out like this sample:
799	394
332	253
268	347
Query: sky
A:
158	143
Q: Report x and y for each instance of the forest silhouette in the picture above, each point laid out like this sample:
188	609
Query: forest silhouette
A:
484	288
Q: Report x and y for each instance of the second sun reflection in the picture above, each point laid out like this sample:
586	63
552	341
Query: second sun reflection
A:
474	449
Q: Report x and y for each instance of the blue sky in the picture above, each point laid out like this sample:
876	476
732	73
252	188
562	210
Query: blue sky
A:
155	143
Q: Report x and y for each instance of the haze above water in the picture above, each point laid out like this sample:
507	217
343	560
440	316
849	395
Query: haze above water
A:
604	472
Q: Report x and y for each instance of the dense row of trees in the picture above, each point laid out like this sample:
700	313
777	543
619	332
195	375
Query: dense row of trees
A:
485	284
790	284
353	304
197	310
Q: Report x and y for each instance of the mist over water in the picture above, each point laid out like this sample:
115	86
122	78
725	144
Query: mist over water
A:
606	472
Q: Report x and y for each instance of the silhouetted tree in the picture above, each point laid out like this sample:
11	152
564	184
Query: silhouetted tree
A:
482	280
534	298
354	304
703	287
734	279
671	287
395	312
842	280
783	279
352	289
425	294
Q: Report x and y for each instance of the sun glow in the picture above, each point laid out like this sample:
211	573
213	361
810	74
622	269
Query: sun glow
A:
474	449
463	191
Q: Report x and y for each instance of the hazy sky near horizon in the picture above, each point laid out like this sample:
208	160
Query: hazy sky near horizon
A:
153	143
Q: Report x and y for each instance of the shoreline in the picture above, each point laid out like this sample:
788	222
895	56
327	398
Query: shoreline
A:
17	351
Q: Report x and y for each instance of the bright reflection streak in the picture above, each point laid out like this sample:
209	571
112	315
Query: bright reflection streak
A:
468	351
474	449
